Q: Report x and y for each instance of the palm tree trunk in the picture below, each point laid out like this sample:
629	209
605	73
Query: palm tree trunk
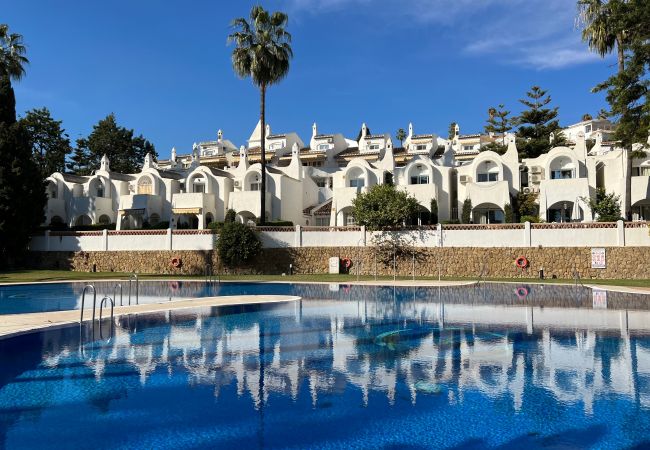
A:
263	143
627	204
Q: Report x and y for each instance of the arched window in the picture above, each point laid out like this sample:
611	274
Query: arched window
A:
199	184
487	171
104	219
255	183
562	168
419	175
154	219
144	185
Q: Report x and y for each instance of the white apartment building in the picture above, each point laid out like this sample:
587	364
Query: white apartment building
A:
316	185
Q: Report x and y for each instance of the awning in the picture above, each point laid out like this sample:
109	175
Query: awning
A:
133	212
187	210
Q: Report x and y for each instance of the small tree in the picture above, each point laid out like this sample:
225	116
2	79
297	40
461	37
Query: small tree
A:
434	211
384	206
507	212
401	135
607	207
527	206
467	211
451	132
231	215
237	244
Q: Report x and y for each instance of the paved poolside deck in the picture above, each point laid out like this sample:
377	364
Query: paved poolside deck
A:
15	324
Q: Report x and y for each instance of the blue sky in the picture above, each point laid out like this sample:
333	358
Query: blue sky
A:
164	67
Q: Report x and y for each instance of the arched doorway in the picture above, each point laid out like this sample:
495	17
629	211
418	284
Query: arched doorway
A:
83	220
564	211
486	213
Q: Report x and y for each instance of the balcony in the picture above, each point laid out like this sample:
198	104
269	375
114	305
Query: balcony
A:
90	206
193	200
345	195
249	201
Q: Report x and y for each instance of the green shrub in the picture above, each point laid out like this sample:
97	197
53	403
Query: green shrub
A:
217	226
434	212
237	244
467	211
531	219
231	215
94	227
507	212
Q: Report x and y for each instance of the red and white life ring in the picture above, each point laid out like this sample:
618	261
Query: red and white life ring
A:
347	262
176	262
521	262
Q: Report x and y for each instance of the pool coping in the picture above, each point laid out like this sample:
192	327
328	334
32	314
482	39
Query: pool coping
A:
24	323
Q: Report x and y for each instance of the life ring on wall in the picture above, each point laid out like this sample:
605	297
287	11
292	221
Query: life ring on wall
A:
347	262
521	292
176	262
521	262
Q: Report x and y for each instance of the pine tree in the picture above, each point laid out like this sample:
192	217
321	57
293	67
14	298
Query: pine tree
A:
467	211
125	151
536	124
48	140
498	123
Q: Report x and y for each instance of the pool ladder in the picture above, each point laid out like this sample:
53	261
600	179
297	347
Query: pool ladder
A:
210	276
104	301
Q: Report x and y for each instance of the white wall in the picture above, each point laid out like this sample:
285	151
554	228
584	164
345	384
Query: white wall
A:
508	235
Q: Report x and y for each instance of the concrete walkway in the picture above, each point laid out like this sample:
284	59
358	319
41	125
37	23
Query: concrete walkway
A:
15	324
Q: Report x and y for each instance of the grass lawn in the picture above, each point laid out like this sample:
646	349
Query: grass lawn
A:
23	276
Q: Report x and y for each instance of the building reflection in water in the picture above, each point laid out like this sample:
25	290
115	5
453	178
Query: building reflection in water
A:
408	348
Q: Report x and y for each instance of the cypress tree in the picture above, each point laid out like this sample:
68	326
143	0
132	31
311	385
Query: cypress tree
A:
22	191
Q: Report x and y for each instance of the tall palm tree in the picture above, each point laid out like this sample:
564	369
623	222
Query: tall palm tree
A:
262	51
12	66
12	54
602	27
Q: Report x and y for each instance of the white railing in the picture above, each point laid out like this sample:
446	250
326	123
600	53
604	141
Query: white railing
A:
614	234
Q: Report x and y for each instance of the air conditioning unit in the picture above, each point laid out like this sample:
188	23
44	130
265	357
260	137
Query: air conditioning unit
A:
536	169
237	184
528	190
464	179
535	178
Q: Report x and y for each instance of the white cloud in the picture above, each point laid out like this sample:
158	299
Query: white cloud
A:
535	33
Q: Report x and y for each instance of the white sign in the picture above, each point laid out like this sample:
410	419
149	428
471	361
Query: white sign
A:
598	259
334	264
599	299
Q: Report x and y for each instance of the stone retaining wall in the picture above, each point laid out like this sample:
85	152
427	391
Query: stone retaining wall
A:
622	262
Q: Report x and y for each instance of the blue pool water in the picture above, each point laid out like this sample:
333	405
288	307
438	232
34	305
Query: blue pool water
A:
347	367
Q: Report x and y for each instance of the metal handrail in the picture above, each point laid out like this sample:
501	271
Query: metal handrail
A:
134	277
83	301
118	285
101	308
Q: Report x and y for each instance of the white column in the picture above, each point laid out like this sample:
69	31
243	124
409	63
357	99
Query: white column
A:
105	237
620	233
297	241
439	230
169	239
47	240
363	235
527	237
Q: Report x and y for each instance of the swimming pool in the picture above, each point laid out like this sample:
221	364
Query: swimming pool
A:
359	367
